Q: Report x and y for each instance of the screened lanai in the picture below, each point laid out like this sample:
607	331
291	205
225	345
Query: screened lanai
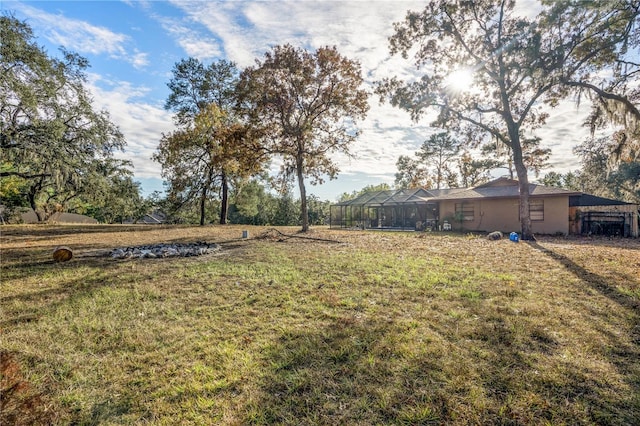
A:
394	209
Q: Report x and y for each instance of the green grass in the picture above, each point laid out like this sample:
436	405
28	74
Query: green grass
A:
382	328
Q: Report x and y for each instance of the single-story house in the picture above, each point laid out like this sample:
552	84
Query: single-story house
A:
493	206
154	218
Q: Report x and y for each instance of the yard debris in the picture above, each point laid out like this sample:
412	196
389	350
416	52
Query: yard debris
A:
494	236
165	250
271	234
275	235
62	254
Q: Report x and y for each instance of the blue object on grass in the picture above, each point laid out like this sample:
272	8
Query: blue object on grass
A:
514	237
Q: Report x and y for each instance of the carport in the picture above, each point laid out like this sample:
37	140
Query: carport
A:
592	215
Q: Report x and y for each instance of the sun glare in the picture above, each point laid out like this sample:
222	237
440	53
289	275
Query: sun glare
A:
460	80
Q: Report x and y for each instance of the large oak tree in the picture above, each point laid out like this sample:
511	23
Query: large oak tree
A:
307	104
520	66
50	135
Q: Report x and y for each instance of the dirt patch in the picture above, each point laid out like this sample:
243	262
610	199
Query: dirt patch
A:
20	403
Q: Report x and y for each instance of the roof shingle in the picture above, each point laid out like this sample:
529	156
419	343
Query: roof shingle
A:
498	188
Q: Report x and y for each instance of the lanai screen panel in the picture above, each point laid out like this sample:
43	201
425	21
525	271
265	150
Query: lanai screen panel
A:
403	208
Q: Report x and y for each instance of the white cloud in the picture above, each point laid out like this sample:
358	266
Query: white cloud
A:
83	37
145	4
241	31
247	29
141	123
563	131
192	42
139	60
220	25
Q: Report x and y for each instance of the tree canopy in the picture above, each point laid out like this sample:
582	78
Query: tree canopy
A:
600	177
307	105
412	173
519	66
439	163
195	86
213	145
346	196
438	151
201	158
51	137
535	157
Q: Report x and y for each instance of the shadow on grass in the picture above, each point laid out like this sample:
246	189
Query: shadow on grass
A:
21	403
620	355
594	240
87	273
369	372
33	305
47	231
593	280
341	374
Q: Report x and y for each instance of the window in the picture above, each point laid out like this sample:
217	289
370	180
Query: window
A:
465	210
536	209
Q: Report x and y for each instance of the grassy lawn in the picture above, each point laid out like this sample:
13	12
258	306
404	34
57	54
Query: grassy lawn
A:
353	328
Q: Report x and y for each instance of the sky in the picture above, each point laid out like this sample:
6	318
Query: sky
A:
132	47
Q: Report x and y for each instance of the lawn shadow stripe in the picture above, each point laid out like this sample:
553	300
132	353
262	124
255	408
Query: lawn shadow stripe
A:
595	281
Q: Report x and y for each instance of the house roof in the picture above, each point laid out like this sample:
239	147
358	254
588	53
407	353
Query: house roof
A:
498	188
593	200
505	188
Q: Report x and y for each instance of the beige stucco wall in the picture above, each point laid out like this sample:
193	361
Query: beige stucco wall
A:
502	215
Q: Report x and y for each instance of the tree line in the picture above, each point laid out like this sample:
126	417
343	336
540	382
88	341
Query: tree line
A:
443	161
294	109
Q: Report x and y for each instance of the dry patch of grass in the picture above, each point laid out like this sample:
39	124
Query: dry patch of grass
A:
373	328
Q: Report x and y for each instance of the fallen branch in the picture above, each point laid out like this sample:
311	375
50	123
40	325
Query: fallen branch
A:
272	230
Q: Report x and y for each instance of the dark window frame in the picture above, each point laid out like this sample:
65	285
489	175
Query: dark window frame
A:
467	209
536	209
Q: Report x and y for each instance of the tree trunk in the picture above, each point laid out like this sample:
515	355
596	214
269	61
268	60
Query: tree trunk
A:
33	191
203	200
303	195
523	186
224	203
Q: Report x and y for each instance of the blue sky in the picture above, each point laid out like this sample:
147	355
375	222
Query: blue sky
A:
133	45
